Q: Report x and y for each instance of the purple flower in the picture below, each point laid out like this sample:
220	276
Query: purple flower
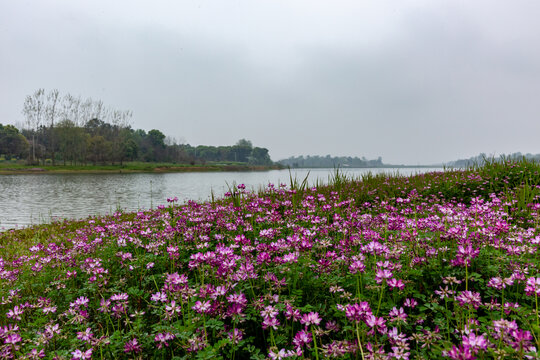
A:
202	307
475	342
85	335
159	296
310	319
15	313
382	274
533	286
81	301
270	322
35	355
269	312
162	339
302	338
78	354
236	335
120	297
398	314
132	346
357	312
356	267
459	353
410	303
13	338
469	298
376	323
396	283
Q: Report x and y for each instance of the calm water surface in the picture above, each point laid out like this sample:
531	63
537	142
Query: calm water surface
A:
41	198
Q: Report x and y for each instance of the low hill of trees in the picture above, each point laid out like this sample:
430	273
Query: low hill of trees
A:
328	161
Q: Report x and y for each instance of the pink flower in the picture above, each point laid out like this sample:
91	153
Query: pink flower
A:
15	313
382	274
132	346
162	339
459	353
120	297
85	335
202	307
81	301
269	312
302	338
469	298
357	312
236	335
475	342
173	308
13	338
533	286
356	267
310	319
159	296
270	322
375	322
78	354
398	315
497	283
410	303
395	283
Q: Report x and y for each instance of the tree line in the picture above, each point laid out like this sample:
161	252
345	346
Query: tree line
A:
329	162
70	130
483	157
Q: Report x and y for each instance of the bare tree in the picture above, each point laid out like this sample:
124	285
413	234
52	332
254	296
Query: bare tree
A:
34	112
86	111
52	110
98	110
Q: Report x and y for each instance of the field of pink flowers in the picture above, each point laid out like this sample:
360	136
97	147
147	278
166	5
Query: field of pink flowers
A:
440	265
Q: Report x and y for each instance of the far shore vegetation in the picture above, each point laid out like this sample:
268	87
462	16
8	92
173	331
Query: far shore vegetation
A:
67	130
17	167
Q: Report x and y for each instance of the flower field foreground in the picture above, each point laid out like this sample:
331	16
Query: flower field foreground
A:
439	265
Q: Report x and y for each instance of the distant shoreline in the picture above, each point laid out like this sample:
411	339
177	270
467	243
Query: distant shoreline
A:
15	169
145	168
371	167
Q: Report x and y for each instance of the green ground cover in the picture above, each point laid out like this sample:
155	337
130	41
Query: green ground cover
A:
436	265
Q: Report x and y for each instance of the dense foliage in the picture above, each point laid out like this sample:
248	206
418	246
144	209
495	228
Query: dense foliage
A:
316	161
438	265
12	142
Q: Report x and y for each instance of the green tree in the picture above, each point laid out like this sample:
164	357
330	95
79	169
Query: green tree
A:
242	150
260	156
128	146
98	149
156	139
12	142
72	142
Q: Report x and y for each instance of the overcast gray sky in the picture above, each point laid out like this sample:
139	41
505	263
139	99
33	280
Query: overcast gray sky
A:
410	81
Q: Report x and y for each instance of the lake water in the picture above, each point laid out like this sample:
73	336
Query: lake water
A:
27	199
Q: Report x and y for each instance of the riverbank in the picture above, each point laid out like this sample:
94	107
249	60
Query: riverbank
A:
13	169
430	266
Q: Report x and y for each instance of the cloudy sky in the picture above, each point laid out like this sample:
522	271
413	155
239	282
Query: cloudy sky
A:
415	82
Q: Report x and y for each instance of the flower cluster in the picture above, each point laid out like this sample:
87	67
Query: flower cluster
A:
401	272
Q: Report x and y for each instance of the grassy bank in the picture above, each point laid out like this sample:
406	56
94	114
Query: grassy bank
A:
438	265
130	167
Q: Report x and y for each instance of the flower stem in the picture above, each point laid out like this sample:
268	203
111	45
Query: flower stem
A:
315	343
359	342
